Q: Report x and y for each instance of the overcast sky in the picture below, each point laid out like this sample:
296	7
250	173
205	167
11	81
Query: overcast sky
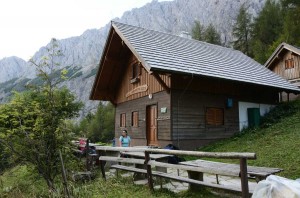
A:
27	25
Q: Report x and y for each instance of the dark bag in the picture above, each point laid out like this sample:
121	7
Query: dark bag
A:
173	159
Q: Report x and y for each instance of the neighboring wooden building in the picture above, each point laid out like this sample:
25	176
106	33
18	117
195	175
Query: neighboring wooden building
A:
285	61
169	89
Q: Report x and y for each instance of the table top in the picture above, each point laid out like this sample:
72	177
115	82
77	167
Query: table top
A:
232	167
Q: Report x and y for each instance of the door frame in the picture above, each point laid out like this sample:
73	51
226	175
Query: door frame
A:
147	125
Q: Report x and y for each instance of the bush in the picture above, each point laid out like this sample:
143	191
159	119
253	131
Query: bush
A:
281	111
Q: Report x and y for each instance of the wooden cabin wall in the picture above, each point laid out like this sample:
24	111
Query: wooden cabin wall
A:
191	96
144	79
162	100
188	113
289	74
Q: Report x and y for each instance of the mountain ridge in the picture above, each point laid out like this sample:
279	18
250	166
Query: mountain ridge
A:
82	53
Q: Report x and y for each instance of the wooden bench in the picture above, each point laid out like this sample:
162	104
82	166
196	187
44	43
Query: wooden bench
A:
177	178
138	160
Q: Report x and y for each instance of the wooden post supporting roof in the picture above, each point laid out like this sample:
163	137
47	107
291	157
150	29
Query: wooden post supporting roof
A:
161	82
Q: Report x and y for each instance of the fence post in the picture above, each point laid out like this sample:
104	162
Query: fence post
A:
102	164
66	190
149	172
87	150
244	177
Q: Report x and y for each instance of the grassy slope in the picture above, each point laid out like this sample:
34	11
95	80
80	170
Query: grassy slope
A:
277	145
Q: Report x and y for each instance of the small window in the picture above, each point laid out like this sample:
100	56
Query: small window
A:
122	120
214	116
135	119
289	63
135	70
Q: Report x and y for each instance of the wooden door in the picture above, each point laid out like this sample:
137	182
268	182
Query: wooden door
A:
151	125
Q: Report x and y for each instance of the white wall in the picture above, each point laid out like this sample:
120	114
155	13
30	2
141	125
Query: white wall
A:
243	115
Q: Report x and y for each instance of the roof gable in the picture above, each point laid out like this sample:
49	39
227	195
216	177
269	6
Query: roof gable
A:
279	49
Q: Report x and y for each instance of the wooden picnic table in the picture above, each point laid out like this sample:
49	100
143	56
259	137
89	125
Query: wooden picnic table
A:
220	168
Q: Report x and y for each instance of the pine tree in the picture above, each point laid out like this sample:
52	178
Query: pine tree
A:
211	35
266	30
198	31
291	29
241	31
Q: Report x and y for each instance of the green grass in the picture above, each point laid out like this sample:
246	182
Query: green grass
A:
20	182
276	142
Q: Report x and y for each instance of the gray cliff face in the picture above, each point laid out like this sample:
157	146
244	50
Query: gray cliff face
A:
11	67
81	54
179	15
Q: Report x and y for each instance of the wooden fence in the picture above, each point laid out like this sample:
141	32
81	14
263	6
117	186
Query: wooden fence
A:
242	157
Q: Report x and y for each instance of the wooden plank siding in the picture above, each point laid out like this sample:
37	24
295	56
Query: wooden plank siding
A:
188	113
162	100
153	86
289	74
191	96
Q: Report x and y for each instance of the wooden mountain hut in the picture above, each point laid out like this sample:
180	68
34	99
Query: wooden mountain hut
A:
173	90
285	61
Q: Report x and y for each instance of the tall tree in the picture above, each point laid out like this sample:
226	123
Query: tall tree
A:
266	30
242	30
198	31
101	127
291	29
208	34
32	123
211	35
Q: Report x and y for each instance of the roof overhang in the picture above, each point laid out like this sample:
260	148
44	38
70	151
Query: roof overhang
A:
278	89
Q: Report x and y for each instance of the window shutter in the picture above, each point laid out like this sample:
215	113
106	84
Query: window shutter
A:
122	120
135	119
289	63
214	116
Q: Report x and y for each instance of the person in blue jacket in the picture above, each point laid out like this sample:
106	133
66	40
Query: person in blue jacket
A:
124	139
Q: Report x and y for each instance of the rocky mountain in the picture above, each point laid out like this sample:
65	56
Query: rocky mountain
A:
11	67
81	54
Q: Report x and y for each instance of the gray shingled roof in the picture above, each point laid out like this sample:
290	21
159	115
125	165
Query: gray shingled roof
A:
166	52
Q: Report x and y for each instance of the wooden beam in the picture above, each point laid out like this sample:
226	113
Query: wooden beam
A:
161	82
224	155
102	60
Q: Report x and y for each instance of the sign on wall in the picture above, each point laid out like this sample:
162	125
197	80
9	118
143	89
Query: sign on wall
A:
138	89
